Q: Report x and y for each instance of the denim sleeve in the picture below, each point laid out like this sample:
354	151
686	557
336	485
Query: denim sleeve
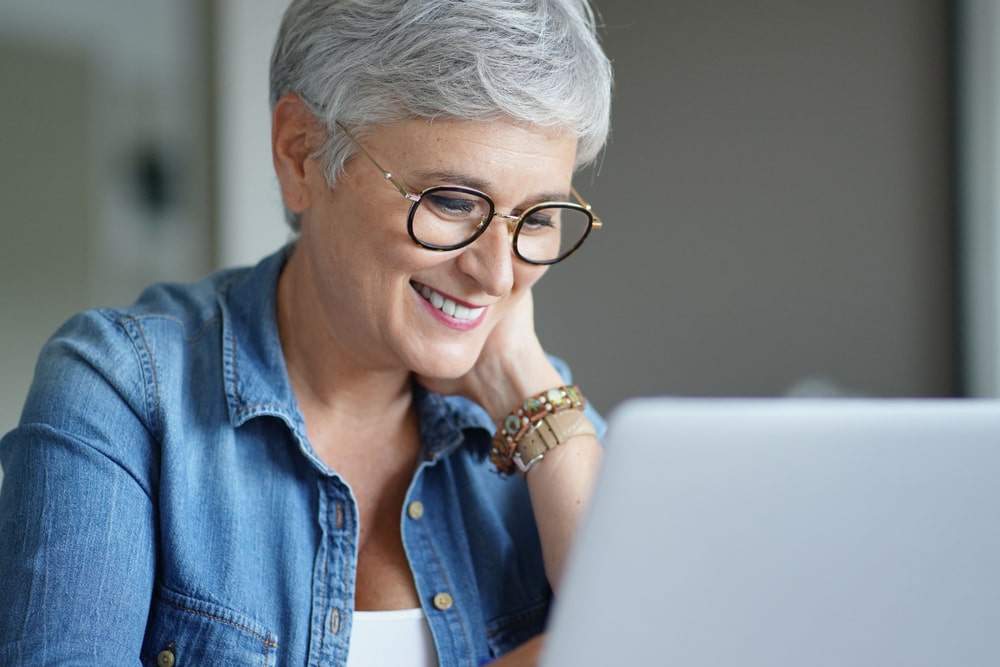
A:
77	542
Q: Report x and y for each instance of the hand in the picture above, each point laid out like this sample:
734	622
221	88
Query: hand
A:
525	655
511	366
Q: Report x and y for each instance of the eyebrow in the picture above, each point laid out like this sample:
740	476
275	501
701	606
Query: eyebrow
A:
455	178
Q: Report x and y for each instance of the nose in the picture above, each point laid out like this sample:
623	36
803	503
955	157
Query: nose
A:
489	260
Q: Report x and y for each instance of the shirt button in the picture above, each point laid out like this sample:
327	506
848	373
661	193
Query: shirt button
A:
334	621
443	602
415	510
165	659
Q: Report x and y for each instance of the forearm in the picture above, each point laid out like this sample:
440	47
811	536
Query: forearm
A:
560	482
560	485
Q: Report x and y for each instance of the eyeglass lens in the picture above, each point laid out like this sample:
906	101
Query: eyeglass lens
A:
449	218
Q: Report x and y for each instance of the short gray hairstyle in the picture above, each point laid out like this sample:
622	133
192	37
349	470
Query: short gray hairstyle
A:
366	63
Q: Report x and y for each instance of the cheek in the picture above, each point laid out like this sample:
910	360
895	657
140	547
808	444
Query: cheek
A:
526	275
370	245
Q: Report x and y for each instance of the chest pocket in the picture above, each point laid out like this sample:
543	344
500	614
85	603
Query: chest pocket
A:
185	632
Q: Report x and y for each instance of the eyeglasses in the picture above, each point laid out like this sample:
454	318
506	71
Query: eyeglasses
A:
449	217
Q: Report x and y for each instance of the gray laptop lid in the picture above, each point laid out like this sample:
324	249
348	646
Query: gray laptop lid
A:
789	532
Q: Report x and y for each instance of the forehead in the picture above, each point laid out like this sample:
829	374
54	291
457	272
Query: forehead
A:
484	154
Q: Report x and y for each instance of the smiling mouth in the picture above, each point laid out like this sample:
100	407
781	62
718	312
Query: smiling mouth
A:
446	305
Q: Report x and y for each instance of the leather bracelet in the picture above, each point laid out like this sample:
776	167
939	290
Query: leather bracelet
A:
524	419
551	431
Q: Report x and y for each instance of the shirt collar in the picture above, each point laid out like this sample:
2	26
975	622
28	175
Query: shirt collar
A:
445	422
256	378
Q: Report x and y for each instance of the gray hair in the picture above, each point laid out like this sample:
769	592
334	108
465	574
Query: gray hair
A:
379	62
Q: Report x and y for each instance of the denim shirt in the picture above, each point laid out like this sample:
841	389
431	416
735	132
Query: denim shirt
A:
161	499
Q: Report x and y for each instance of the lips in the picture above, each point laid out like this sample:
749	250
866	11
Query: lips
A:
449	307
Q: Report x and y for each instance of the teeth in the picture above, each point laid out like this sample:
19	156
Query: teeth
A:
449	307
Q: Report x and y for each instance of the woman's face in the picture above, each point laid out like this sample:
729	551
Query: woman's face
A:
390	304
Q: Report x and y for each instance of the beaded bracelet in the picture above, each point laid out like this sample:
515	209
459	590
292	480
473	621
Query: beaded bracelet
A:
524	419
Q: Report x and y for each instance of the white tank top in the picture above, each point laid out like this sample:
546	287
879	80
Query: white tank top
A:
398	638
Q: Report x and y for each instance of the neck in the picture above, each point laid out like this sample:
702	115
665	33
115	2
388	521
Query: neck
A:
327	376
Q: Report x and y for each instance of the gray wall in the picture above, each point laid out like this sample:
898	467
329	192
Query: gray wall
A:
978	120
777	204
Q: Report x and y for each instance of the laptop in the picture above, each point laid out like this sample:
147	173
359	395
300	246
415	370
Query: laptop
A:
792	532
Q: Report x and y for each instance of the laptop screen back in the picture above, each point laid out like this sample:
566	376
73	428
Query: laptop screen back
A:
789	532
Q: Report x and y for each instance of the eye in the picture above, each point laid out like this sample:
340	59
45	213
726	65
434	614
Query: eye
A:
541	220
454	206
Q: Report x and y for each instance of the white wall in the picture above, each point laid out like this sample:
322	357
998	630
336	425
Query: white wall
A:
148	90
251	219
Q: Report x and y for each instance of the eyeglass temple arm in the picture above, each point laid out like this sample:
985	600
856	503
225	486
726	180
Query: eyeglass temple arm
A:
597	224
385	174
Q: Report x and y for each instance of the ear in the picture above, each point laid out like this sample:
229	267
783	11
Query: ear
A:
295	135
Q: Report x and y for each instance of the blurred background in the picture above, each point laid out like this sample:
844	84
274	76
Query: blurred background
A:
798	195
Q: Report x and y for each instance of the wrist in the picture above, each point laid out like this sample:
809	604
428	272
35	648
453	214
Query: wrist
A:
521	377
540	423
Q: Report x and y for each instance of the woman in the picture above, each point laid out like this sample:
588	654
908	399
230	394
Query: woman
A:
295	463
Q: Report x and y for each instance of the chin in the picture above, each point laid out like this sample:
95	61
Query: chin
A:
445	364
443	371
